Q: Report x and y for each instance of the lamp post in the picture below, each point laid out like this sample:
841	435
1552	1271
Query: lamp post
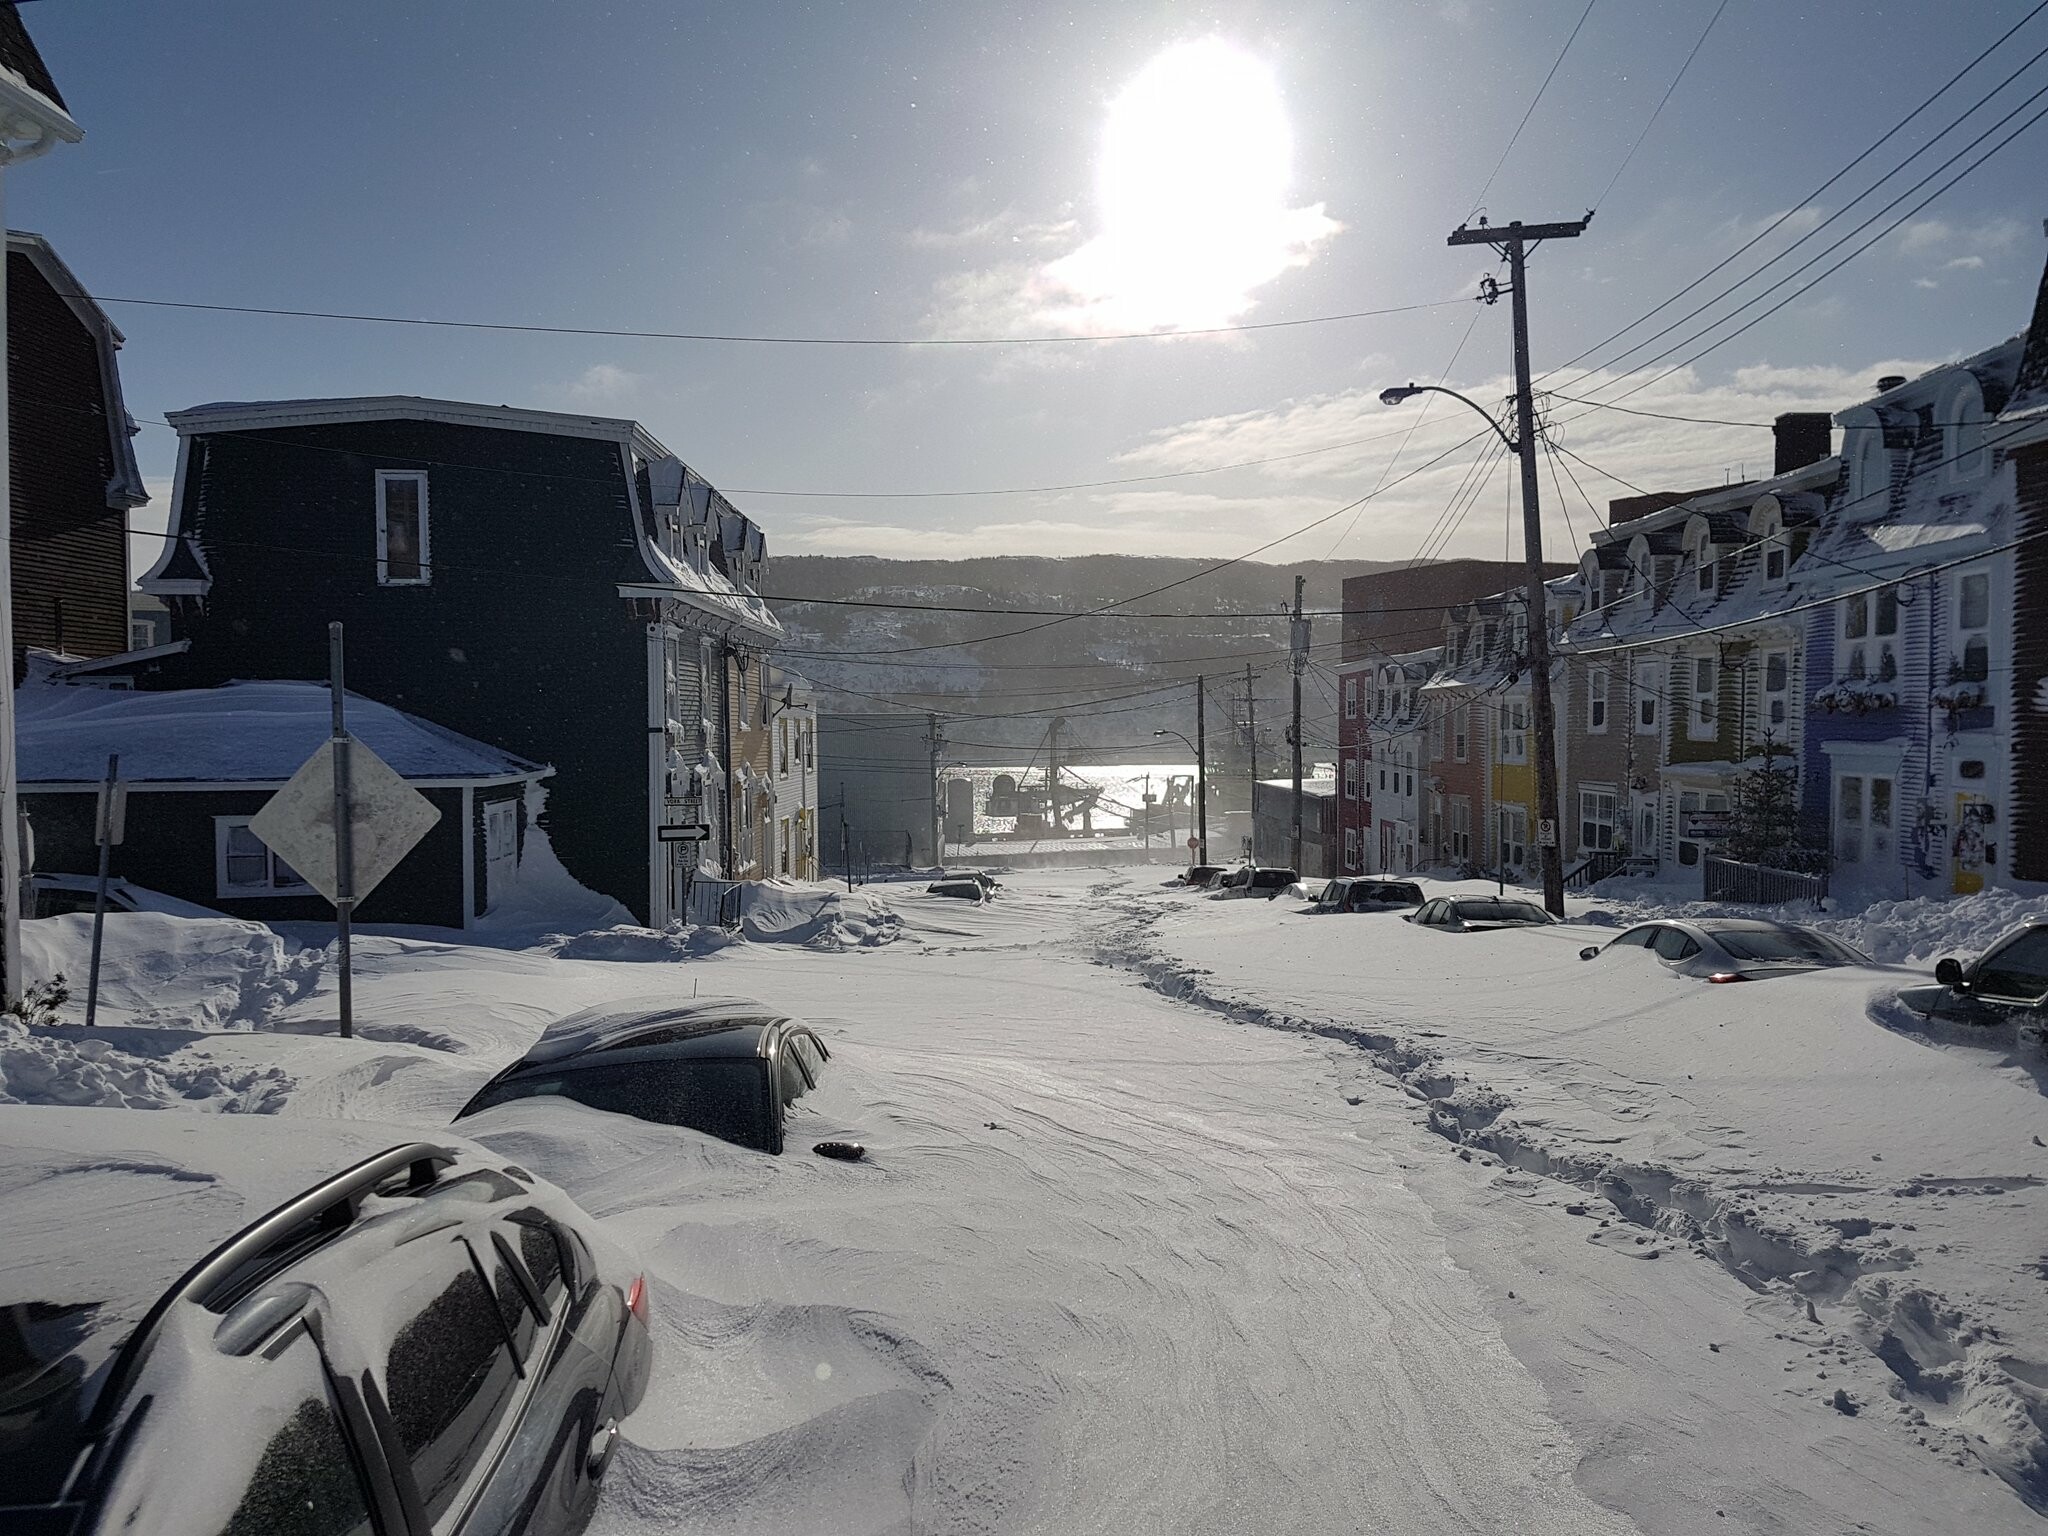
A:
1201	797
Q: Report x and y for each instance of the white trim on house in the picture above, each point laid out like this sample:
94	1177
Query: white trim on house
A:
152	581
425	561
232	786
271	415
272	861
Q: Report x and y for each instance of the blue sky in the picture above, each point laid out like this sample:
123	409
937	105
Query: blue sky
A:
921	170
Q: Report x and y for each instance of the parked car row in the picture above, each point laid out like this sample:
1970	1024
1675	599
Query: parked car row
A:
1244	880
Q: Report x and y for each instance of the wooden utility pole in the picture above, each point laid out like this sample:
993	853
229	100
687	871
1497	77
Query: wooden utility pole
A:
934	741
1201	772
1513	242
1251	732
1298	639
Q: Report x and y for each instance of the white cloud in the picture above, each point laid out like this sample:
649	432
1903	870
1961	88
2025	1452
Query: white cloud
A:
1964	263
603	382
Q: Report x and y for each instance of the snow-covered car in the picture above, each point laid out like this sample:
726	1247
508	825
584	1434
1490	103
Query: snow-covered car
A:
247	1324
1368	894
1267	883
963	889
2009	978
1198	876
727	1066
1477	914
1732	948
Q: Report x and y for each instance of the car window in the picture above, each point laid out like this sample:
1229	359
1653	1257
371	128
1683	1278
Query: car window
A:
1674	944
810	1051
304	1482
1333	893
1637	938
1432	912
1776	944
448	1380
789	1073
2019	971
515	1315
541	1252
727	1099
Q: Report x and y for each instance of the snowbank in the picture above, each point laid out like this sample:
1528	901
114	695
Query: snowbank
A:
818	916
544	897
174	972
63	1066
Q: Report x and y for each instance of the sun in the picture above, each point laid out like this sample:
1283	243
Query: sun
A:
1192	186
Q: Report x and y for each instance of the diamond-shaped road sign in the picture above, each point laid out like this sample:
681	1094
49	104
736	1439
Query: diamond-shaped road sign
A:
386	817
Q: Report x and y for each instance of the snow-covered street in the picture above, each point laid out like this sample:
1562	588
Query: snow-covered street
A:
1164	1227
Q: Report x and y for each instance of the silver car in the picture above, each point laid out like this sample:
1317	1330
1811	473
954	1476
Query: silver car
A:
1732	948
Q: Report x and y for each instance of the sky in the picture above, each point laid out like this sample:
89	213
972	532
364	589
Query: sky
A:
892	170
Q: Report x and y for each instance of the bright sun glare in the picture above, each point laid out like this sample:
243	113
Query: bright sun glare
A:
1192	183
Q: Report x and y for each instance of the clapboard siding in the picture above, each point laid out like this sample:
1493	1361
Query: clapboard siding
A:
70	554
2028	693
520	638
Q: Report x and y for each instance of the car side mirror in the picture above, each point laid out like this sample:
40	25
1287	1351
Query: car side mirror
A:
1949	972
1590	952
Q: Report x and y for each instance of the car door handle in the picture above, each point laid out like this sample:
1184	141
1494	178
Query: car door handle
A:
602	1445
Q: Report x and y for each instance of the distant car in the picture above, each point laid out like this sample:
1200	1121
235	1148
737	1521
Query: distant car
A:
963	889
728	1067
2010	979
1198	876
1268	883
1476	914
1732	948
1367	894
421	1335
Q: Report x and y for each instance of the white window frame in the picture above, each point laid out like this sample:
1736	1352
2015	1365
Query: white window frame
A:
1591	798
1702	554
1514	741
384	577
1461	733
1961	634
1774	705
1350	698
1350	778
223	887
1778	550
1461	828
1596	701
1649	681
1513	831
1703	705
1862	656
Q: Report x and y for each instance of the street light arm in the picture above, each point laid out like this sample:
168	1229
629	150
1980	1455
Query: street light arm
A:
1400	393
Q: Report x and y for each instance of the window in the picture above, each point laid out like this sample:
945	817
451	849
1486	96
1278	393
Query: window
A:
1461	829
1596	701
1776	552
1649	682
1703	562
1514	836
1383	780
1973	627
1777	689
1700	720
1351	778
1351	847
1514	746
244	866
448	1381
1596	819
402	556
2018	972
1350	698
141	635
1870	627
1436	735
1863	818
1461	731
304	1481
1674	944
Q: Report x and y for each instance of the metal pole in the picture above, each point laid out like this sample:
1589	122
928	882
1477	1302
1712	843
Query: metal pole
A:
344	842
1298	640
1201	772
12	880
932	740
105	833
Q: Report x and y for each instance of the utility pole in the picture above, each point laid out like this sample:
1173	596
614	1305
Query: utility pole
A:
934	741
1513	242
1251	731
1052	776
1201	772
726	846
1298	661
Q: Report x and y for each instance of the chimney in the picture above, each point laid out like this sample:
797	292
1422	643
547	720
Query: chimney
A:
1804	437
1890	382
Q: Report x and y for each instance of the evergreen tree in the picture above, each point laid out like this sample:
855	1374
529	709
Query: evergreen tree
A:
1765	822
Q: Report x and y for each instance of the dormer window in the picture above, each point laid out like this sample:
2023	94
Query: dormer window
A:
1610	588
402	554
1700	551
1775	552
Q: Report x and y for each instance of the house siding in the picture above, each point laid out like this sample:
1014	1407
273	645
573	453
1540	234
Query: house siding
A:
2027	836
519	639
70	549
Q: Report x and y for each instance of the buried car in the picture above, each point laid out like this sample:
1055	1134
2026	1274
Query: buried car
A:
729	1067
420	1335
2009	980
1732	948
1367	894
1253	881
1477	914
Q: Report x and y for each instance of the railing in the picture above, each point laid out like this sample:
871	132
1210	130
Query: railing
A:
716	902
1597	867
1732	880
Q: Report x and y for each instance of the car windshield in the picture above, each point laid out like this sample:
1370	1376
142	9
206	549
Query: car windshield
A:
1501	912
1794	944
726	1099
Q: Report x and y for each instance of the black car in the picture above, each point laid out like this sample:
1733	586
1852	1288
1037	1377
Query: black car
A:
427	1340
1367	894
1476	914
728	1067
1198	876
1268	883
2009	980
965	888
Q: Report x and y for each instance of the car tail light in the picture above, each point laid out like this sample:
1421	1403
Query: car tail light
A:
636	1297
1727	976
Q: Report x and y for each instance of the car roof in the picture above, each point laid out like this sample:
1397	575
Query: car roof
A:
107	1210
708	1027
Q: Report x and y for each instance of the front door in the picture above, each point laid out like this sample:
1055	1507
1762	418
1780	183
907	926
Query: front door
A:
1865	815
501	849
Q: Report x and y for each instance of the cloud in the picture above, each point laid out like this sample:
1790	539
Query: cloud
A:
1964	263
1925	282
1006	228
603	382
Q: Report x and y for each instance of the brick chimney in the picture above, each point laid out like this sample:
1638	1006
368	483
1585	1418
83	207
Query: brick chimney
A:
1804	437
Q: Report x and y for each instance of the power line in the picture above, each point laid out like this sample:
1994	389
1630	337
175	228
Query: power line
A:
741	338
1658	111
1479	201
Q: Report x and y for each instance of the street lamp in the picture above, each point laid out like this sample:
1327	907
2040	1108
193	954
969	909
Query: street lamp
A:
1403	392
1201	797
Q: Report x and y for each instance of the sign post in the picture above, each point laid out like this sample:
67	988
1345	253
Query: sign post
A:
343	823
109	824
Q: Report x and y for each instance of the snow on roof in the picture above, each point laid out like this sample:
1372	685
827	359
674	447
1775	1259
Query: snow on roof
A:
256	733
709	589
